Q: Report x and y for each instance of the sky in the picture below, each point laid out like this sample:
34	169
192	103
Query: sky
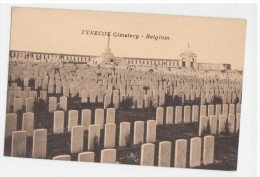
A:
214	40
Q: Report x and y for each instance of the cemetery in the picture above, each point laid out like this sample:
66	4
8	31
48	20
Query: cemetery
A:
182	118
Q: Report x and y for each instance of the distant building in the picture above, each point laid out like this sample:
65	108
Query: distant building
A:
187	59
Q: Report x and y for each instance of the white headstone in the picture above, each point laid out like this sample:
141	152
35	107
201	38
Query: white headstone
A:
39	143
164	159
147	154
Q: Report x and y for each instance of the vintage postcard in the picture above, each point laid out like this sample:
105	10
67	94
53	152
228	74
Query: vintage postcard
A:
125	88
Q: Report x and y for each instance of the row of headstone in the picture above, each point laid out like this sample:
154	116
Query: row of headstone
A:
77	135
199	153
27	123
188	114
107	156
58	126
19	141
219	124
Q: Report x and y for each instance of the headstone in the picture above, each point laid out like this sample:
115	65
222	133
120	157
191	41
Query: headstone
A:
11	95
77	134
195	113
39	143
73	119
86	118
178	115
86	157
18	105
43	95
155	100
161	99
62	157
63	103
202	99
101	94
203	110
28	123
151	131
52	104
208	150
140	101
33	94
146	100
10	124
84	96
238	108
116	101
93	96
73	90
58	88
180	153
111	114
108	156
231	123
93	137
210	110
225	109
29	107
231	109
110	135
169	115
107	101
213	124
222	121
18	148
124	135
8	106
99	117
138	132
187	114
24	95
147	154
195	152
218	110
238	122
25	81
203	125
159	115
58	125
164	159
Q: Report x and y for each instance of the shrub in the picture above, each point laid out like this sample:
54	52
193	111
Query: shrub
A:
130	157
31	82
96	143
177	101
151	103
40	106
227	131
97	148
236	100
111	105
127	103
128	140
196	101
19	113
217	100
173	101
19	82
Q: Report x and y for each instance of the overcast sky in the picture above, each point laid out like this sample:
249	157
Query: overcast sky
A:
214	40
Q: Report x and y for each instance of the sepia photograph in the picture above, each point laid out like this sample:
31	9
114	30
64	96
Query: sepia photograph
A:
125	88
